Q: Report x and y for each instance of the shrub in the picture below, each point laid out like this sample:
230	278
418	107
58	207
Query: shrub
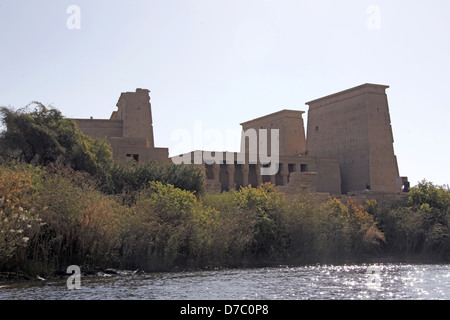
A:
55	216
265	205
427	193
330	232
231	232
128	178
162	218
18	220
81	225
43	135
419	225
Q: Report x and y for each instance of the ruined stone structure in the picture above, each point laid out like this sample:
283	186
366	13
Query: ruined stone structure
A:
295	169
324	174
348	148
129	129
291	131
354	126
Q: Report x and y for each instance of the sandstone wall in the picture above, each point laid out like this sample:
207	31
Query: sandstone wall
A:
354	127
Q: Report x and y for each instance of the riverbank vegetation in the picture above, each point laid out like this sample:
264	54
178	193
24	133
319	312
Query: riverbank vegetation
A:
63	202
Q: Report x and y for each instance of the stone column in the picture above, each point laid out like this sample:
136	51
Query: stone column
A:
245	171
230	172
258	174
216	172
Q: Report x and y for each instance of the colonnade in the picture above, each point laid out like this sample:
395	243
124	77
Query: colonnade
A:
233	176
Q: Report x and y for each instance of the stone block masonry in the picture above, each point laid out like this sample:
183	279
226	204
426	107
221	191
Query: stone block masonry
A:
354	126
348	148
129	129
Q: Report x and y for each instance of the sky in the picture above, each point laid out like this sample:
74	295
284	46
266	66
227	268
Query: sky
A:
213	64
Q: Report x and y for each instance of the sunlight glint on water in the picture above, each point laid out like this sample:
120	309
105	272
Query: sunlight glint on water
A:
384	281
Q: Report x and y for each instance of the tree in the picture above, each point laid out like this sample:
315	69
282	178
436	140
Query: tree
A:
43	135
427	193
265	205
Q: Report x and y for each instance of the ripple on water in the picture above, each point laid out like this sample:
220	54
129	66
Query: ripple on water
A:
381	281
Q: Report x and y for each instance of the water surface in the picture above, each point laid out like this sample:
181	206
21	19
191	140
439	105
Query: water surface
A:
361	282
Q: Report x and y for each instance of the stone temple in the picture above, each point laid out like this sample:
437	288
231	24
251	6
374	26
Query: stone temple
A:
129	130
347	148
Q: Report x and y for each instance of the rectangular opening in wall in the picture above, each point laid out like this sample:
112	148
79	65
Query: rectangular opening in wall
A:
266	178
291	168
252	179
209	171
238	175
303	167
278	176
223	177
134	157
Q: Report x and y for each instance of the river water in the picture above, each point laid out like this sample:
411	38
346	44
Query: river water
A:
360	282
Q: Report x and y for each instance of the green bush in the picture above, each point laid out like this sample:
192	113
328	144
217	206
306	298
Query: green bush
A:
55	216
43	135
419	226
426	193
329	232
160	228
49	221
80	225
128	178
265	205
230	230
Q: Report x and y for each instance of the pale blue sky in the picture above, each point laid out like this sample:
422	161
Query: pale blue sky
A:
226	62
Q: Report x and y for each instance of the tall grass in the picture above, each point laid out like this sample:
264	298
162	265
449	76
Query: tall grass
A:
53	217
49	222
18	221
